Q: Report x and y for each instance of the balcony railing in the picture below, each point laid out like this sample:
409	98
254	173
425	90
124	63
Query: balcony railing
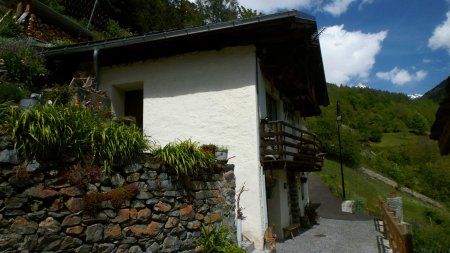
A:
286	146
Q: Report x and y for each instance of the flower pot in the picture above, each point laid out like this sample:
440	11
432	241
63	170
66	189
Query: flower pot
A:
221	155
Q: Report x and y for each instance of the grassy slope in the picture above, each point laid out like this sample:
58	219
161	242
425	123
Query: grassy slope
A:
430	225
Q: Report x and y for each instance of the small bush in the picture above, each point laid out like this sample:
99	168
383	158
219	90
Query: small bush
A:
185	157
22	62
12	92
117	196
218	240
53	131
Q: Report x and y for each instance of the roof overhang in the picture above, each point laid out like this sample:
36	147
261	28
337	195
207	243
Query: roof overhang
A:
286	43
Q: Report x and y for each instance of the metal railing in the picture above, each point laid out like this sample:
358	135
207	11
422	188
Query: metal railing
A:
398	235
282	142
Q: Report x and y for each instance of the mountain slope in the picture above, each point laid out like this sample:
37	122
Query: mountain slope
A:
437	94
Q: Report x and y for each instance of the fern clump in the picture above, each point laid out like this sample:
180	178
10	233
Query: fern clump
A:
185	157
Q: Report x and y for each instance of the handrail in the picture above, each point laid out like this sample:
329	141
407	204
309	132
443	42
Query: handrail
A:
283	142
399	236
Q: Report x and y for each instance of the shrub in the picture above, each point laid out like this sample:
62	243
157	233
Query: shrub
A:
51	131
185	157
12	92
218	240
117	196
116	143
22	62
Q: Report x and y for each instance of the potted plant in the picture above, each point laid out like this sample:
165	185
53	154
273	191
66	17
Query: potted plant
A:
221	153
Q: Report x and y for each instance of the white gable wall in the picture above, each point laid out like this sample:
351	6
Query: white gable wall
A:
209	96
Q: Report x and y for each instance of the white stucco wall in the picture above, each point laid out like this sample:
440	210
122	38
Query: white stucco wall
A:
210	97
278	204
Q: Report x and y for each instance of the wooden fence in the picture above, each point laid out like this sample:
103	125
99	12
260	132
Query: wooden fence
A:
399	236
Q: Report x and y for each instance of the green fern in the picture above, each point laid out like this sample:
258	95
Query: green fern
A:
185	157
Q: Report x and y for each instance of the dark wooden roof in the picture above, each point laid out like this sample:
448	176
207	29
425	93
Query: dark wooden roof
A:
440	130
286	43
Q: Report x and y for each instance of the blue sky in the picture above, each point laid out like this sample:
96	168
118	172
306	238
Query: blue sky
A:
394	45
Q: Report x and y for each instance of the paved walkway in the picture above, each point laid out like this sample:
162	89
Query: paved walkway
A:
336	231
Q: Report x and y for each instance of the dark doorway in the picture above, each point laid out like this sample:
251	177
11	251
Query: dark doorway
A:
134	105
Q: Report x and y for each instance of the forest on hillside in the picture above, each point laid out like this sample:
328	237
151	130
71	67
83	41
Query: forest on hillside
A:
386	132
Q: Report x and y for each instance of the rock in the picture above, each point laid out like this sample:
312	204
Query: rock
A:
122	216
135	167
38	177
172	193
84	249
57	205
15	203
213	217
23	226
159	217
149	175
133	177
129	240
71	191
41	192
33	166
6	190
76	230
144	215
151	202
70	243
112	232
105	248
9	156
171	244
37	216
154	247
117	180
172	222
30	243
152	229
71	221
135	249
49	243
9	242
94	233
123	248
187	213
74	204
138	204
193	225
49	227
144	195
167	185
162	207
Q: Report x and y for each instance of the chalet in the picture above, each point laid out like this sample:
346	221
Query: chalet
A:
246	84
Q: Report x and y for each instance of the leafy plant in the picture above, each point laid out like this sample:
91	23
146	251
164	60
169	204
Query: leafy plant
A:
23	63
218	240
185	157
50	131
117	196
9	28
12	92
116	143
62	94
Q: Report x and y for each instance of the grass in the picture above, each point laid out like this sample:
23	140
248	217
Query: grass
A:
396	139
430	225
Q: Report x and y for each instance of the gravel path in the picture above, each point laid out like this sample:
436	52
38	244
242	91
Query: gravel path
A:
340	236
336	231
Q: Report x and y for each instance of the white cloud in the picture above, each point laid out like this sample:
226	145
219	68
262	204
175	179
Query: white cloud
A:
441	36
337	7
401	76
349	55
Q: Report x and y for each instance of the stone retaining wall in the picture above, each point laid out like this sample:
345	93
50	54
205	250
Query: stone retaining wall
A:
41	211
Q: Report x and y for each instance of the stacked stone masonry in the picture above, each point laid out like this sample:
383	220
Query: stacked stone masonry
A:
41	212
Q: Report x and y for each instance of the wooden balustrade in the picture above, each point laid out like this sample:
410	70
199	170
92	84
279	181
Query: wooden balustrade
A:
398	235
286	146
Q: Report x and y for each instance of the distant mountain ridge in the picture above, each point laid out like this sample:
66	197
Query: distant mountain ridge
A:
437	94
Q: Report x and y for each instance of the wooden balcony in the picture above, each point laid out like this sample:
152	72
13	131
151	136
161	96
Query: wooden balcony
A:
285	146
